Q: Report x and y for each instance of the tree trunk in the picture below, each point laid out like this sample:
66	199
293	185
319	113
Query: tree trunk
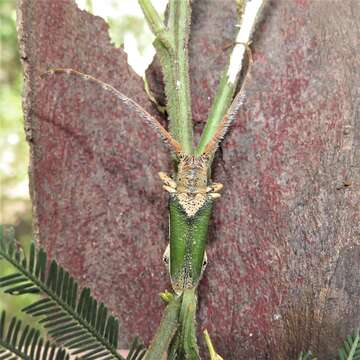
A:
284	254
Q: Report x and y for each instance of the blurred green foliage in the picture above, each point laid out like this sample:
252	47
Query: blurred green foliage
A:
15	205
127	27
129	24
14	198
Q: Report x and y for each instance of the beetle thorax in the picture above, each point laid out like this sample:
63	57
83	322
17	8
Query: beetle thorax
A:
192	175
191	183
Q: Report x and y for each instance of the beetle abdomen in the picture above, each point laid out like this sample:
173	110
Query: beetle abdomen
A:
188	236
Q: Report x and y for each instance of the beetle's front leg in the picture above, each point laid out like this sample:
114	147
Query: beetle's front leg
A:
214	189
169	183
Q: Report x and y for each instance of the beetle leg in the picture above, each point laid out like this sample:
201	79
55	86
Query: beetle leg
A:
166	257
169	189
214	188
215	195
167	180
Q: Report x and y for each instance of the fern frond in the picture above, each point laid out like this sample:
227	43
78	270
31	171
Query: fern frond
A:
137	350
77	323
18	342
351	347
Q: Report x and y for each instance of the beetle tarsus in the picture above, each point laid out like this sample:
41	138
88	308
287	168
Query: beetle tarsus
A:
167	180
169	189
215	187
215	195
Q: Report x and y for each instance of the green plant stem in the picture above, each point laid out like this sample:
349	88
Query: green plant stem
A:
152	16
184	345
155	22
171	44
166	331
180	15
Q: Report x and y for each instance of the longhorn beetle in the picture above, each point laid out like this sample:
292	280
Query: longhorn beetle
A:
191	193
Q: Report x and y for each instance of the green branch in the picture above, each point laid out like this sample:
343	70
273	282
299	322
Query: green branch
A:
180	29
171	44
166	331
155	23
184	345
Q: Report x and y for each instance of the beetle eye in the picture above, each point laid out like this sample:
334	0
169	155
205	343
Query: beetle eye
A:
204	261
166	256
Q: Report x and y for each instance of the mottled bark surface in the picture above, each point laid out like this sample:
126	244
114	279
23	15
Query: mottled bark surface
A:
284	254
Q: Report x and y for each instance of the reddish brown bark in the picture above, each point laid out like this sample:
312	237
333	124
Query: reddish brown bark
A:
284	249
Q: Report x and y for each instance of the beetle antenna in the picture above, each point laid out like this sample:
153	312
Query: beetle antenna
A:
230	116
131	104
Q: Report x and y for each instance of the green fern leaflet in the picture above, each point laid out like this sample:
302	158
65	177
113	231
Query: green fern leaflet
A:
77	323
351	347
18	342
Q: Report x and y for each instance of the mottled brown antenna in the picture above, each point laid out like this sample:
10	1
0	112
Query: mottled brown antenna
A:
131	104
228	119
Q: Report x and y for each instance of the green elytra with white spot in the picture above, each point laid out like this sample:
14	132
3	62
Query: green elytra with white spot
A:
187	243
